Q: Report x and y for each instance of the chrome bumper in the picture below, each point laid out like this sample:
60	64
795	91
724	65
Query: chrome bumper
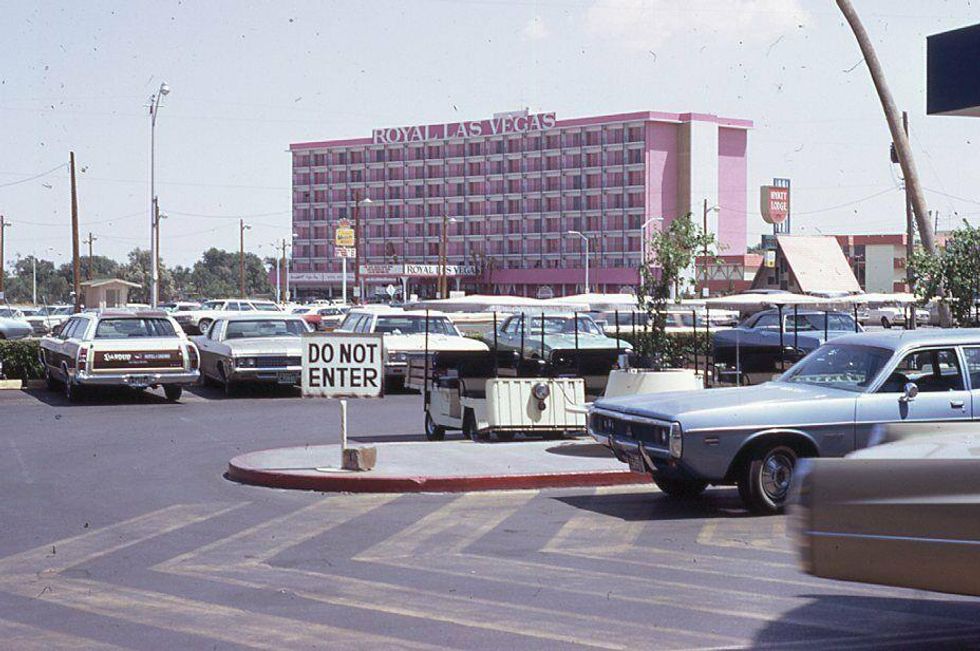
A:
136	379
396	368
249	374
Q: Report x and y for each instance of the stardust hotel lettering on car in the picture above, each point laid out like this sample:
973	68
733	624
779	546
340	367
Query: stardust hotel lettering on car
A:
515	123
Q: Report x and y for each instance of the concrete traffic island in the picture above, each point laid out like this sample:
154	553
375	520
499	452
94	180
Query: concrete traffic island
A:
448	466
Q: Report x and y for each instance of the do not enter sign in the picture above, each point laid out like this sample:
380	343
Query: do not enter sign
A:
343	365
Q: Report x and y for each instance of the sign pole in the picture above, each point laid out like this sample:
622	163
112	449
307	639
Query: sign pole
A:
343	280
343	429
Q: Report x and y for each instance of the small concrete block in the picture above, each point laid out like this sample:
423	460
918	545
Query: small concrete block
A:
362	458
11	384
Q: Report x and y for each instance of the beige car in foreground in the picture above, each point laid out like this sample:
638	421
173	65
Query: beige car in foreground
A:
905	513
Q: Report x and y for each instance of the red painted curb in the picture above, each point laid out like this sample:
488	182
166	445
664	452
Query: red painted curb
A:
312	480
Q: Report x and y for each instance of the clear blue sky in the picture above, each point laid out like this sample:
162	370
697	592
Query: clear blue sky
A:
248	78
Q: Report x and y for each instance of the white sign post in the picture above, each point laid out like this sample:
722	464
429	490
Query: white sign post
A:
343	365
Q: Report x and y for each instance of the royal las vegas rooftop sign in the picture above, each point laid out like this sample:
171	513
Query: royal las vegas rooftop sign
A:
519	122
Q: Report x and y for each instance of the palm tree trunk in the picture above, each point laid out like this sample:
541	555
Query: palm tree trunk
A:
902	148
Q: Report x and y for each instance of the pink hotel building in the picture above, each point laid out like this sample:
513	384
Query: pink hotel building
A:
508	190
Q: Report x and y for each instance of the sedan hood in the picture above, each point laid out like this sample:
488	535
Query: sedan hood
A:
586	341
772	402
266	345
416	343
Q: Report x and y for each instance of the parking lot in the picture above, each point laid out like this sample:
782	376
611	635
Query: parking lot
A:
121	531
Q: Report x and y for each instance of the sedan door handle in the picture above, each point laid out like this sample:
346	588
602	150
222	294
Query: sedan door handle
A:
956	404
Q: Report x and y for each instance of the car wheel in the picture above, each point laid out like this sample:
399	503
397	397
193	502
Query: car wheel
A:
49	380
765	481
202	325
505	437
73	392
885	323
227	384
173	392
680	488
469	427
433	432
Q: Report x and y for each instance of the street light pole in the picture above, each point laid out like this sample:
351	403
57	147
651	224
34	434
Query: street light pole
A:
4	225
586	240
444	256
357	240
154	222
704	233
242	227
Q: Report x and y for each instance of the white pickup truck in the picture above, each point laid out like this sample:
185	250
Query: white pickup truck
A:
195	322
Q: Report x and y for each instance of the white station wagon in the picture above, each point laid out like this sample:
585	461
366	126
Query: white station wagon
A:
137	349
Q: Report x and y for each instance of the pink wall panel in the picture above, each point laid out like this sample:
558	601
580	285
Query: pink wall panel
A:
732	189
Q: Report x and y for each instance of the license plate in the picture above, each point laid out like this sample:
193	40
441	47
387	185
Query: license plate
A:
139	381
287	378
635	462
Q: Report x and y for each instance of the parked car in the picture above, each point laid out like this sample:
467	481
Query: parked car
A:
180	306
197	321
889	315
49	318
252	348
828	404
322	317
123	348
678	321
906	513
405	334
755	346
538	336
13	325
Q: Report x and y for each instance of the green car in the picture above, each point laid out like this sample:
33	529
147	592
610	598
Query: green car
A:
549	333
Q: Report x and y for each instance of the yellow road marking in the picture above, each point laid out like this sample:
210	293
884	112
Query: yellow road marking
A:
744	533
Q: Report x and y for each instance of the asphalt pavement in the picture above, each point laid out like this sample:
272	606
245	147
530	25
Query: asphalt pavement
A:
120	530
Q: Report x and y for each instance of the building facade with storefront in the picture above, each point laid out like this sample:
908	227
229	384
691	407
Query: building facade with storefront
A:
500	196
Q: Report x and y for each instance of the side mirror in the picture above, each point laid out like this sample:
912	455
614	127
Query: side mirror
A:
911	391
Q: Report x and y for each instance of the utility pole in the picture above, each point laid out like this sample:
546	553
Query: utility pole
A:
902	148
242	227
284	285
76	264
156	249
357	243
704	233
88	267
443	285
909	232
4	225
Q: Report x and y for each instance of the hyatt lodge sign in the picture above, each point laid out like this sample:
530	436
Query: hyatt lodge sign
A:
511	123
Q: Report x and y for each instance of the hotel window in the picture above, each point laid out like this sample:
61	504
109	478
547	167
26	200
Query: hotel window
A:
419	191
433	248
592	160
594	223
357	157
394	154
456	151
552	163
513	207
552	183
434	171
534	205
614	201
319	160
497	207
320	214
496	167
592	203
320	196
302	214
301	161
475	148
339	176
498	146
356	176
514	145
394	212
635	156
553	203
514	186
551	142
636	200
534	143
475	169
396	174
514	165
615	179
614	136
456	169
514	247
514	227
434	151
340	157
379	156
572	140
475	208
592	138
635	134
636	178
533	226
415	153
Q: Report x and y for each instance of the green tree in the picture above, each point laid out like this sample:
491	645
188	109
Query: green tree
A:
216	275
137	270
51	285
956	268
671	251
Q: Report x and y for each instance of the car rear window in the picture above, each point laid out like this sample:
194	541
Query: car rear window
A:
125	328
265	328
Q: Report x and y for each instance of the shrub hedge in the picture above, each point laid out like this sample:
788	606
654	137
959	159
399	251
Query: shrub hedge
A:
19	359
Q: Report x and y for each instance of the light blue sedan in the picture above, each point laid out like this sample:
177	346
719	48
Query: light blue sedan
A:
828	404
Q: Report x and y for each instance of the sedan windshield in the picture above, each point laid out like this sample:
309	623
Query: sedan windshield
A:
11	313
414	325
266	307
841	366
561	325
265	328
129	327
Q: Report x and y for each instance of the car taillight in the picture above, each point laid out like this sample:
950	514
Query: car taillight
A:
192	357
81	363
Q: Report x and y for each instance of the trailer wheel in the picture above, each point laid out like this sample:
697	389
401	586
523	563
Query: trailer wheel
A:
469	427
433	432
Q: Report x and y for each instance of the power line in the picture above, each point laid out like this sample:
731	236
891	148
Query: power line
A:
238	216
36	176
